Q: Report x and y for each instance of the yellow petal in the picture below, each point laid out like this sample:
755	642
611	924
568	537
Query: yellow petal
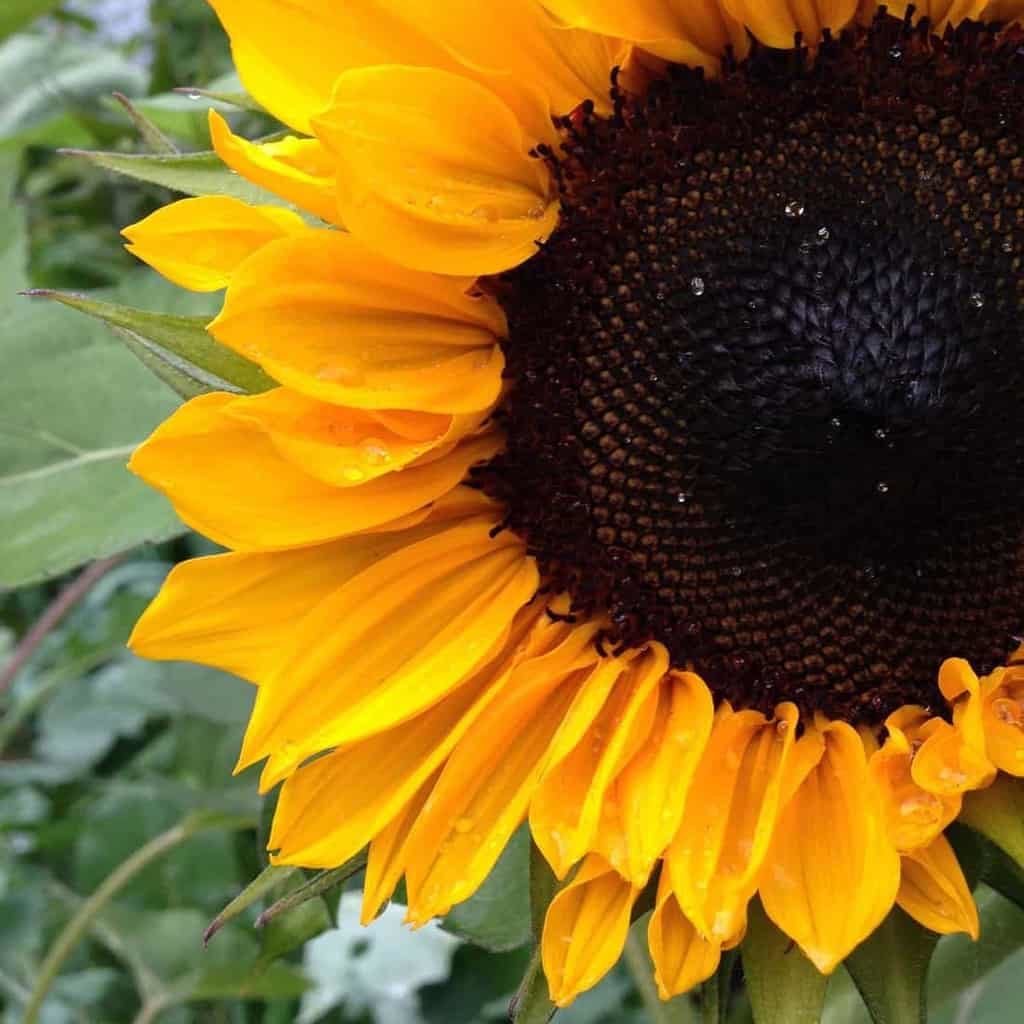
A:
682	957
776	23
455	195
298	170
390	643
227	480
324	315
238	612
654	785
934	892
695	32
832	874
730	813
941	13
585	930
1003	719
515	49
566	808
324	815
487	784
386	861
199	243
913	816
348	447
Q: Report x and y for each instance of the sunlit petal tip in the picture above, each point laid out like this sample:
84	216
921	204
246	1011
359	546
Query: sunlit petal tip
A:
778	25
935	893
585	930
682	957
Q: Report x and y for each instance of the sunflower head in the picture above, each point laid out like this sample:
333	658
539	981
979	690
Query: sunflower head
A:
644	460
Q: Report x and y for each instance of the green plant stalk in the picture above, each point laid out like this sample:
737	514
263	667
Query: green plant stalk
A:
638	961
83	919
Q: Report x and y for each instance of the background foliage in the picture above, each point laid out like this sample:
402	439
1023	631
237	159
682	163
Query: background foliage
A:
122	831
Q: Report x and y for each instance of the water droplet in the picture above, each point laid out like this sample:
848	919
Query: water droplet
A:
824	235
1007	245
921	808
835	422
536	212
882	487
488	213
697	285
353	474
977	300
881	435
193	94
682	497
795	208
374	452
896	53
463	825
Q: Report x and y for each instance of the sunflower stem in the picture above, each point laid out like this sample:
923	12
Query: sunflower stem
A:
638	961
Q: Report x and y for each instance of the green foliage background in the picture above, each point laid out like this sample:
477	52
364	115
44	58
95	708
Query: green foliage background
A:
103	755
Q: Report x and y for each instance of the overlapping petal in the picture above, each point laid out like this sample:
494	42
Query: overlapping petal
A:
777	24
731	810
393	641
516	49
682	956
329	318
695	32
486	786
199	243
585	929
298	170
1003	718
832	873
935	893
566	810
226	478
456	195
941	13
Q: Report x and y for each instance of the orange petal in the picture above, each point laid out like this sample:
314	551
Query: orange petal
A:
585	930
486	786
695	32
832	874
388	851
412	628
199	243
454	195
934	892
349	447
298	170
566	809
326	316
941	13
682	957
913	816
731	811
654	785
776	24
226	479
1003	10
1003	719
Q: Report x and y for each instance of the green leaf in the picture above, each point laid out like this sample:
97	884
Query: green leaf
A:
276	981
73	406
959	963
982	860
497	916
16	14
998	814
292	930
265	882
177	348
891	967
194	174
783	985
41	79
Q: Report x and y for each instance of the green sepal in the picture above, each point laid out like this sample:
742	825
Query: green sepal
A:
194	174
269	878
318	886
543	886
890	969
149	132
532	1003
783	985
177	349
998	814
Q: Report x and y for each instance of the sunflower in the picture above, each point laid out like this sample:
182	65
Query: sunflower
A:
646	461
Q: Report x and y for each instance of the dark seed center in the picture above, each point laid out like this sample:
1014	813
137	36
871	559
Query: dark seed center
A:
765	379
